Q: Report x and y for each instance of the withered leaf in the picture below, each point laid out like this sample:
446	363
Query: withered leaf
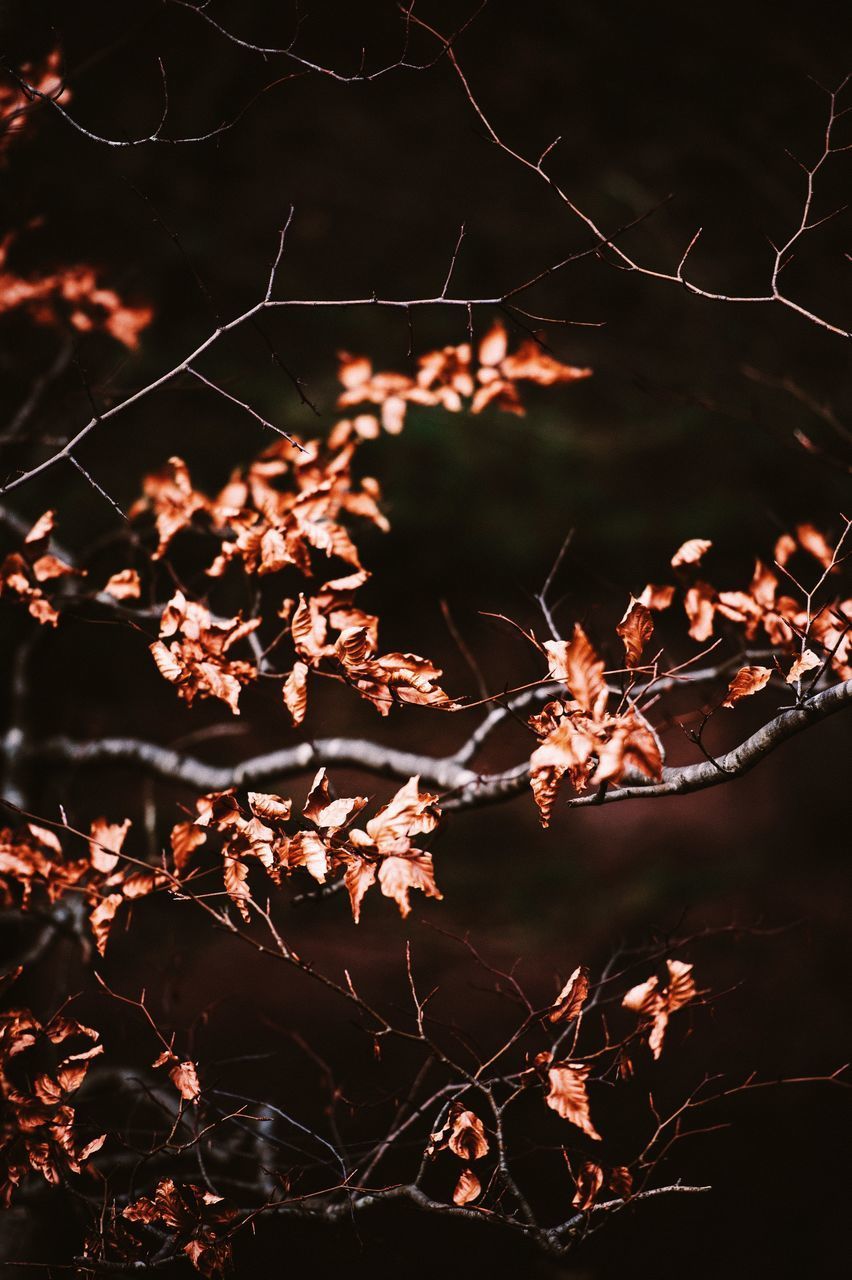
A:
295	692
568	1096
42	528
576	664
399	875
358	877
125	585
656	597
700	605
184	1076
467	1137
691	552
589	1181
806	661
467	1188
572	997
655	1004
620	1181
747	681
814	542
635	630
269	807
106	840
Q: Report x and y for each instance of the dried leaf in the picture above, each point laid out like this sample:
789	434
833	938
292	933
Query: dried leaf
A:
806	661
106	840
691	552
589	1181
184	1077
747	681
269	807
655	1004
635	630
467	1188
467	1137
814	542
576	664
295	692
125	585
620	1181
399	875
568	1096
572	997
42	528
656	598
358	877
700	605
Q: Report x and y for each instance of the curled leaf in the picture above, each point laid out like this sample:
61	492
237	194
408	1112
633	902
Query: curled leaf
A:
747	681
467	1188
572	997
806	661
467	1138
568	1096
589	1181
635	630
691	552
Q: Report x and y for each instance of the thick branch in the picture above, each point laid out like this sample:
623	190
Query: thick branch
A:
468	789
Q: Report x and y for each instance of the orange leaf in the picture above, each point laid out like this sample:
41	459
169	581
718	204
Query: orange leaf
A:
467	1139
747	681
572	997
467	1188
691	552
589	1181
635	629
568	1096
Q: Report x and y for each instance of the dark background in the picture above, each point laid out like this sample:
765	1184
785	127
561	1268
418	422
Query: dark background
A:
670	439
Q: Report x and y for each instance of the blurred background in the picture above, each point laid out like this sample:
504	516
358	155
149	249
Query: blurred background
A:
695	117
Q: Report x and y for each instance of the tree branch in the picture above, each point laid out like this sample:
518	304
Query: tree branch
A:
469	789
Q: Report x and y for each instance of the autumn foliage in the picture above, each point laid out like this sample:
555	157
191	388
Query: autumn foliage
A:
259	588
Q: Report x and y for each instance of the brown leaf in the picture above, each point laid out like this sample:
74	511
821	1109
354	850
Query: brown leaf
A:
295	692
495	344
631	744
101	918
589	1181
309	850
785	547
185	838
572	997
42	528
125	585
358	878
184	1077
691	552
806	661
700	605
655	597
635	629
655	1005
568	1096
410	812
236	873
48	567
814	542
747	681
620	1181
467	1138
106	840
576	664
398	875
269	807
467	1188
